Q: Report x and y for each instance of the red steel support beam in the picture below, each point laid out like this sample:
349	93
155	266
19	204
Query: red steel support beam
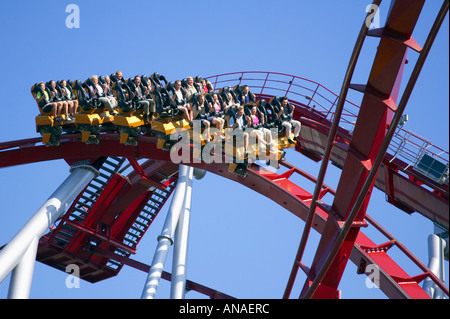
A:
326	157
333	261
359	172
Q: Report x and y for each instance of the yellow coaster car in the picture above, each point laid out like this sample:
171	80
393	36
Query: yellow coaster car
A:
168	131
259	146
239	159
130	120
47	125
168	123
92	116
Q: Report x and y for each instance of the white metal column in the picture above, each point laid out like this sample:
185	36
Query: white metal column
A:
165	240
436	246
22	274
50	211
180	247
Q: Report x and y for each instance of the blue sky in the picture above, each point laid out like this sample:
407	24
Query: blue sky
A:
243	246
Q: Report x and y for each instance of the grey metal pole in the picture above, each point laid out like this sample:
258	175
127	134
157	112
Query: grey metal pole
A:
22	274
180	247
52	209
436	246
165	240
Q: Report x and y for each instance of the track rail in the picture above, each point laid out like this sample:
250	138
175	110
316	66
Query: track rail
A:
395	282
355	138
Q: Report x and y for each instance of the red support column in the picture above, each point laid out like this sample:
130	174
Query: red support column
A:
377	109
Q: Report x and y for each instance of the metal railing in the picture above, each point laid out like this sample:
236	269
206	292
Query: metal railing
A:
421	154
406	146
311	94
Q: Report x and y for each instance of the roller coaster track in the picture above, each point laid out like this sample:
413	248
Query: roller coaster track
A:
103	239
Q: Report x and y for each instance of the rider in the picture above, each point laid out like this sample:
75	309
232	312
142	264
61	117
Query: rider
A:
43	98
99	91
178	99
139	95
285	115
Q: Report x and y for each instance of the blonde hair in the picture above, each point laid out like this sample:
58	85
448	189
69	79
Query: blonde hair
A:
200	95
